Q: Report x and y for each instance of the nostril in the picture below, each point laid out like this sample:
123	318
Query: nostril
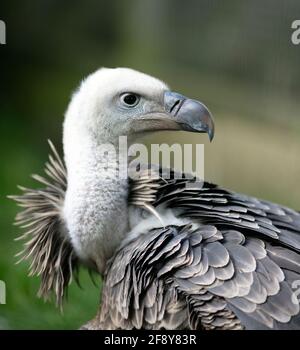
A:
173	102
176	106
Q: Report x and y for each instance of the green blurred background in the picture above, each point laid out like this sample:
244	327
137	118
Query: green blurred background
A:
236	56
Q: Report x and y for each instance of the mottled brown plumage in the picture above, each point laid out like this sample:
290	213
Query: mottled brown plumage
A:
208	276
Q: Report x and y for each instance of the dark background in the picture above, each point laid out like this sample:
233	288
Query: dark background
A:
236	56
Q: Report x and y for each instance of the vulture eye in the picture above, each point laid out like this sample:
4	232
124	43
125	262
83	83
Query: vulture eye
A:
130	99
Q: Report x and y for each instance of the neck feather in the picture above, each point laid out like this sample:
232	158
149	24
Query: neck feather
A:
95	209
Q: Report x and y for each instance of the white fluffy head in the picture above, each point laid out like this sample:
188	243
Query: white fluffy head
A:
96	109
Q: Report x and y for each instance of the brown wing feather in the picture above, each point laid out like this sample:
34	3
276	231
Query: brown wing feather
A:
225	209
200	278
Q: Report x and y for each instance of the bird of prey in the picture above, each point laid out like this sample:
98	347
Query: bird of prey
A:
172	256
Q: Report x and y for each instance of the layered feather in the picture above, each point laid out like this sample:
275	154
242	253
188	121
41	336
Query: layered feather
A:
200	278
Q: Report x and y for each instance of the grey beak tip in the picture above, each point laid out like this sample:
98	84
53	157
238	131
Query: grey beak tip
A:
211	132
192	114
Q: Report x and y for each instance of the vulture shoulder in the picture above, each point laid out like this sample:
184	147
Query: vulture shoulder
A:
213	205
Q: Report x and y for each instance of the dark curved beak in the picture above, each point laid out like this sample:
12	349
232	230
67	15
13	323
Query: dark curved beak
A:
192	115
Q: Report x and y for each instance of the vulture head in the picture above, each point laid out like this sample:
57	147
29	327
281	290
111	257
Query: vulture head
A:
124	102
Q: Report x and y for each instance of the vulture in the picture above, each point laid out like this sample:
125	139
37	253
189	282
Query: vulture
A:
172	255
